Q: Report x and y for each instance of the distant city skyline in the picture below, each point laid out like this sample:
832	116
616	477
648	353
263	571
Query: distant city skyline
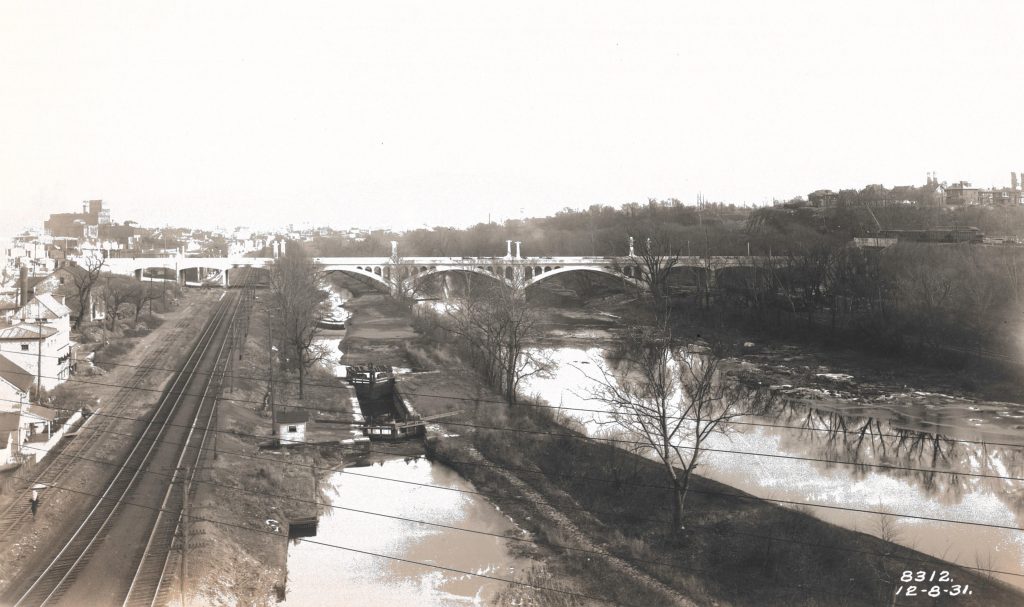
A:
404	115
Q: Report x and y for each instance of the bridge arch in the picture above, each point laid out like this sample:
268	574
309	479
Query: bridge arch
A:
155	272
414	280
367	272
564	269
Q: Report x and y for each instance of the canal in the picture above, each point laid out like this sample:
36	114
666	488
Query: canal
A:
378	521
396	489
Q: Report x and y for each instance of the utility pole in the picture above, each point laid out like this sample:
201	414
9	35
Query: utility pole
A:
240	341
231	361
270	355
216	432
39	361
185	520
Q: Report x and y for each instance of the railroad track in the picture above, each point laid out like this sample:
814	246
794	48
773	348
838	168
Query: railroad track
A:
55	579
151	583
65	455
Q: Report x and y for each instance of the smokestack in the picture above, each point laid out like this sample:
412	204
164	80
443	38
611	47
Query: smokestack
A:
23	282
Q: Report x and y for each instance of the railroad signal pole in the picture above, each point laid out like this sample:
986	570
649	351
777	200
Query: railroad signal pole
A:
185	521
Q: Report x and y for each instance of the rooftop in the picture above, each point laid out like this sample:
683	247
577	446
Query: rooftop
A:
42	413
15	375
25	331
43	306
293	417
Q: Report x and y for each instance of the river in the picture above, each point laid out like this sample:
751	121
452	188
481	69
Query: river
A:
409	489
884	434
899	430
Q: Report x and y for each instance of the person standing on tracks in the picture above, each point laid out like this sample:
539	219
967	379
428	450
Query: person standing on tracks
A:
34	502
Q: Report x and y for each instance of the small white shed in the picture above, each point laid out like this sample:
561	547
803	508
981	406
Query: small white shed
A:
290	427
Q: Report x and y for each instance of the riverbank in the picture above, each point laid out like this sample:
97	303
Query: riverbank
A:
597	512
965	374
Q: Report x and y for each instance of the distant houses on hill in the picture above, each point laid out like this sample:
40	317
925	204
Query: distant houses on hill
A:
933	193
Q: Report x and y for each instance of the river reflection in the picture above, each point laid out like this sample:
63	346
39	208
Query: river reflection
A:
883	436
319	575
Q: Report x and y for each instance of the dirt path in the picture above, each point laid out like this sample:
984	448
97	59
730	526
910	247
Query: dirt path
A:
541	506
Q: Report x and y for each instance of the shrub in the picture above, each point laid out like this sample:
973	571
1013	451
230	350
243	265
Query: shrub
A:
111	353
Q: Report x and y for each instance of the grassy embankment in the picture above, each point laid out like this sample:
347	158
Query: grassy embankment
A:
240	560
586	494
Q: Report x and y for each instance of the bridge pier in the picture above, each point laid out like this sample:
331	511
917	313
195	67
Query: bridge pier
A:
224	279
138	274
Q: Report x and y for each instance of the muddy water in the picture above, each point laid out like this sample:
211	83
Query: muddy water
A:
331	339
416	489
321	575
901	430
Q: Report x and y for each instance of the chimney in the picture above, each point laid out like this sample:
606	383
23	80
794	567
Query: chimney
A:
1013	180
23	281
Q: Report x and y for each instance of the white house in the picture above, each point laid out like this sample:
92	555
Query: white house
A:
15	385
39	341
61	285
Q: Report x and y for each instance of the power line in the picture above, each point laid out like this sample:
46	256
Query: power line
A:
613	440
544	406
751	497
501	496
441	525
643	443
195	518
647	485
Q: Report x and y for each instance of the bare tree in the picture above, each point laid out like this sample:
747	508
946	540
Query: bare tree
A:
299	300
85	273
496	327
670	398
140	293
116	293
655	259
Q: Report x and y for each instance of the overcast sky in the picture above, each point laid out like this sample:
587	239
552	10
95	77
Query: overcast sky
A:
404	113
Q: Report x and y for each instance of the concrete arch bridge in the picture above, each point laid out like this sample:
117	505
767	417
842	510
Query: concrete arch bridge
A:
403	275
